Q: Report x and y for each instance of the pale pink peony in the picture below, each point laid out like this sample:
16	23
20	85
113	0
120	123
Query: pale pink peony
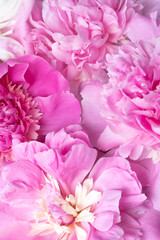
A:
79	33
14	28
126	109
33	97
74	201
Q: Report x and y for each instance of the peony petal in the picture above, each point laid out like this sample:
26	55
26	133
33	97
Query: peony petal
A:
39	72
59	111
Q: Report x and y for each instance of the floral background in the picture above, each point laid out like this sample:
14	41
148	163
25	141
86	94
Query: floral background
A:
79	120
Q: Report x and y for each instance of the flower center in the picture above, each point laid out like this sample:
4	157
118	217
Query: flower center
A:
72	211
79	206
19	116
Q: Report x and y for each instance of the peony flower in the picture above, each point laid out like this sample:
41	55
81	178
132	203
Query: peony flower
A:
128	105
79	33
74	200
33	97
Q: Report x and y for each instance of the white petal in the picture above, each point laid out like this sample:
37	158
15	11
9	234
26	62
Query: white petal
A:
92	198
80	232
69	209
82	191
5	55
78	192
71	199
88	184
8	9
85	216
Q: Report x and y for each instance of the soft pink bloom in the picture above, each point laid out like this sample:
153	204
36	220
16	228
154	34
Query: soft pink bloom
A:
126	110
79	33
33	97
74	201
14	28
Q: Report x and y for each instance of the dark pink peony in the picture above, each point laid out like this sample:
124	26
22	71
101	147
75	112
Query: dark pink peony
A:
33	99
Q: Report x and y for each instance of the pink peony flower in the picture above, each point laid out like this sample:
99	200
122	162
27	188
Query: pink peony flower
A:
74	201
127	107
33	97
79	33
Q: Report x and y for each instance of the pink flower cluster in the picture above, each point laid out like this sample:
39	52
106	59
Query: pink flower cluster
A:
80	120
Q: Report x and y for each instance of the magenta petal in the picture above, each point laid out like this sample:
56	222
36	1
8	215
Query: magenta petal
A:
43	80
59	110
16	72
